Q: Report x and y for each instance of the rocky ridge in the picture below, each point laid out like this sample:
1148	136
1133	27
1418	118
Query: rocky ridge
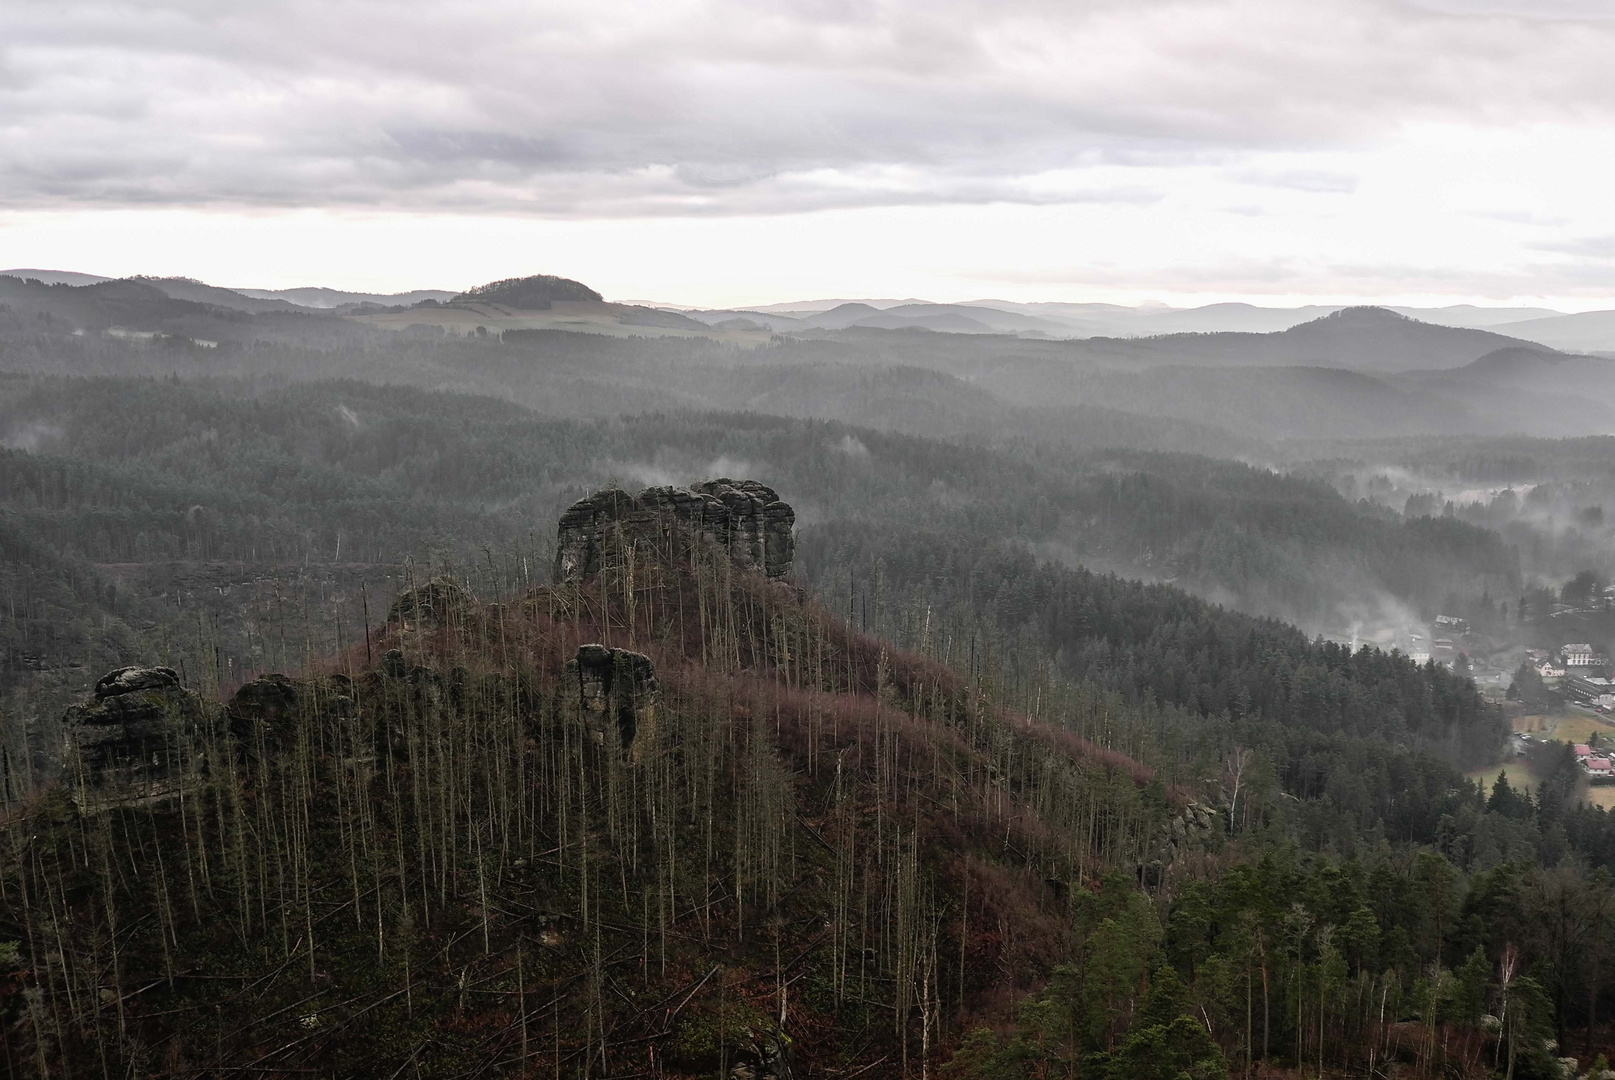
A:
743	517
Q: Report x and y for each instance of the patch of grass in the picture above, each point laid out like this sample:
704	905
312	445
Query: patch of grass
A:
1580	727
1566	727
1519	773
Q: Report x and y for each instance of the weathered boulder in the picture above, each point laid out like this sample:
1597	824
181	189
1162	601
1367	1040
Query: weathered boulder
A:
1195	825
616	692
1193	828
743	517
430	604
134	727
268	703
770	1057
269	715
265	713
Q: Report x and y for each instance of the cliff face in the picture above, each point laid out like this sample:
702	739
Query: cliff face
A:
616	689
743	517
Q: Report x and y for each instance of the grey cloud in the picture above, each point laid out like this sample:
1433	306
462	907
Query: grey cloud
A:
1523	217
1292	276
1312	180
1522	9
1593	247
732	105
468	146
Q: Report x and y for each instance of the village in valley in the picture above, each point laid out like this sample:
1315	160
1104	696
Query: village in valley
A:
1559	696
1556	697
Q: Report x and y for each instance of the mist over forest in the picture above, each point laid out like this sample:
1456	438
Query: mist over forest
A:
516	681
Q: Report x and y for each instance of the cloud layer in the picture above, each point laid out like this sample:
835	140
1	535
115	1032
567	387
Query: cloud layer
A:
695	107
720	151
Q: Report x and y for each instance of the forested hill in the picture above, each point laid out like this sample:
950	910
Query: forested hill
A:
755	838
1370	741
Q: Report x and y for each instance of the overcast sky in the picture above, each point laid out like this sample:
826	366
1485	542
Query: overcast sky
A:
712	152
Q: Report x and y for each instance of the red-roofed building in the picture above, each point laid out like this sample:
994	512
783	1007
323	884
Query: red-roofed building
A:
1598	768
1583	751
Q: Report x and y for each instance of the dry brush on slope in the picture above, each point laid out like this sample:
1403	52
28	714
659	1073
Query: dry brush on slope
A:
824	855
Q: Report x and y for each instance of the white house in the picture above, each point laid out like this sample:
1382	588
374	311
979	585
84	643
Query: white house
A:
1577	655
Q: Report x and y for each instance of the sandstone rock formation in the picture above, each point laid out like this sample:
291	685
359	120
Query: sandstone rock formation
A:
269	701
1193	828
430	604
264	715
616	689
744	517
132	730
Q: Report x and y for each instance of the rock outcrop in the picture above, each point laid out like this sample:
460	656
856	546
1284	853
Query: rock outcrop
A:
431	604
268	702
743	517
132	730
264	715
616	692
1194	828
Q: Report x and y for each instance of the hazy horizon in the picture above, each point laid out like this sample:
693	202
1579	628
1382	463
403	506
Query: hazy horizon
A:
803	302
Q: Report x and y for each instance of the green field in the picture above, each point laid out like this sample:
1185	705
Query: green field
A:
1567	727
1520	776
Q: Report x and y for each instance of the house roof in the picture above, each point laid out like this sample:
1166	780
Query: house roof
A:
1598	764
1583	750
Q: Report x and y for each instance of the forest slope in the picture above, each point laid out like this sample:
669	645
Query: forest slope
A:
128	473
817	854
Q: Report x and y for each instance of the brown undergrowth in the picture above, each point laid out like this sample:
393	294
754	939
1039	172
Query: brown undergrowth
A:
832	857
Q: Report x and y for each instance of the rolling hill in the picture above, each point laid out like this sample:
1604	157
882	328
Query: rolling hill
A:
1587	331
1357	338
321	298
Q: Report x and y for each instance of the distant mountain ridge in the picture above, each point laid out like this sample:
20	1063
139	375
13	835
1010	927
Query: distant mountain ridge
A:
54	277
1587	331
180	288
321	298
1089	320
1372	339
1584	332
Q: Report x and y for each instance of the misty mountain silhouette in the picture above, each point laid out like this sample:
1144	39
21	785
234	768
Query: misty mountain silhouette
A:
1356	338
182	288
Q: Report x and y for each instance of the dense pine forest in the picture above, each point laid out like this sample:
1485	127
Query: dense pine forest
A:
1049	757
